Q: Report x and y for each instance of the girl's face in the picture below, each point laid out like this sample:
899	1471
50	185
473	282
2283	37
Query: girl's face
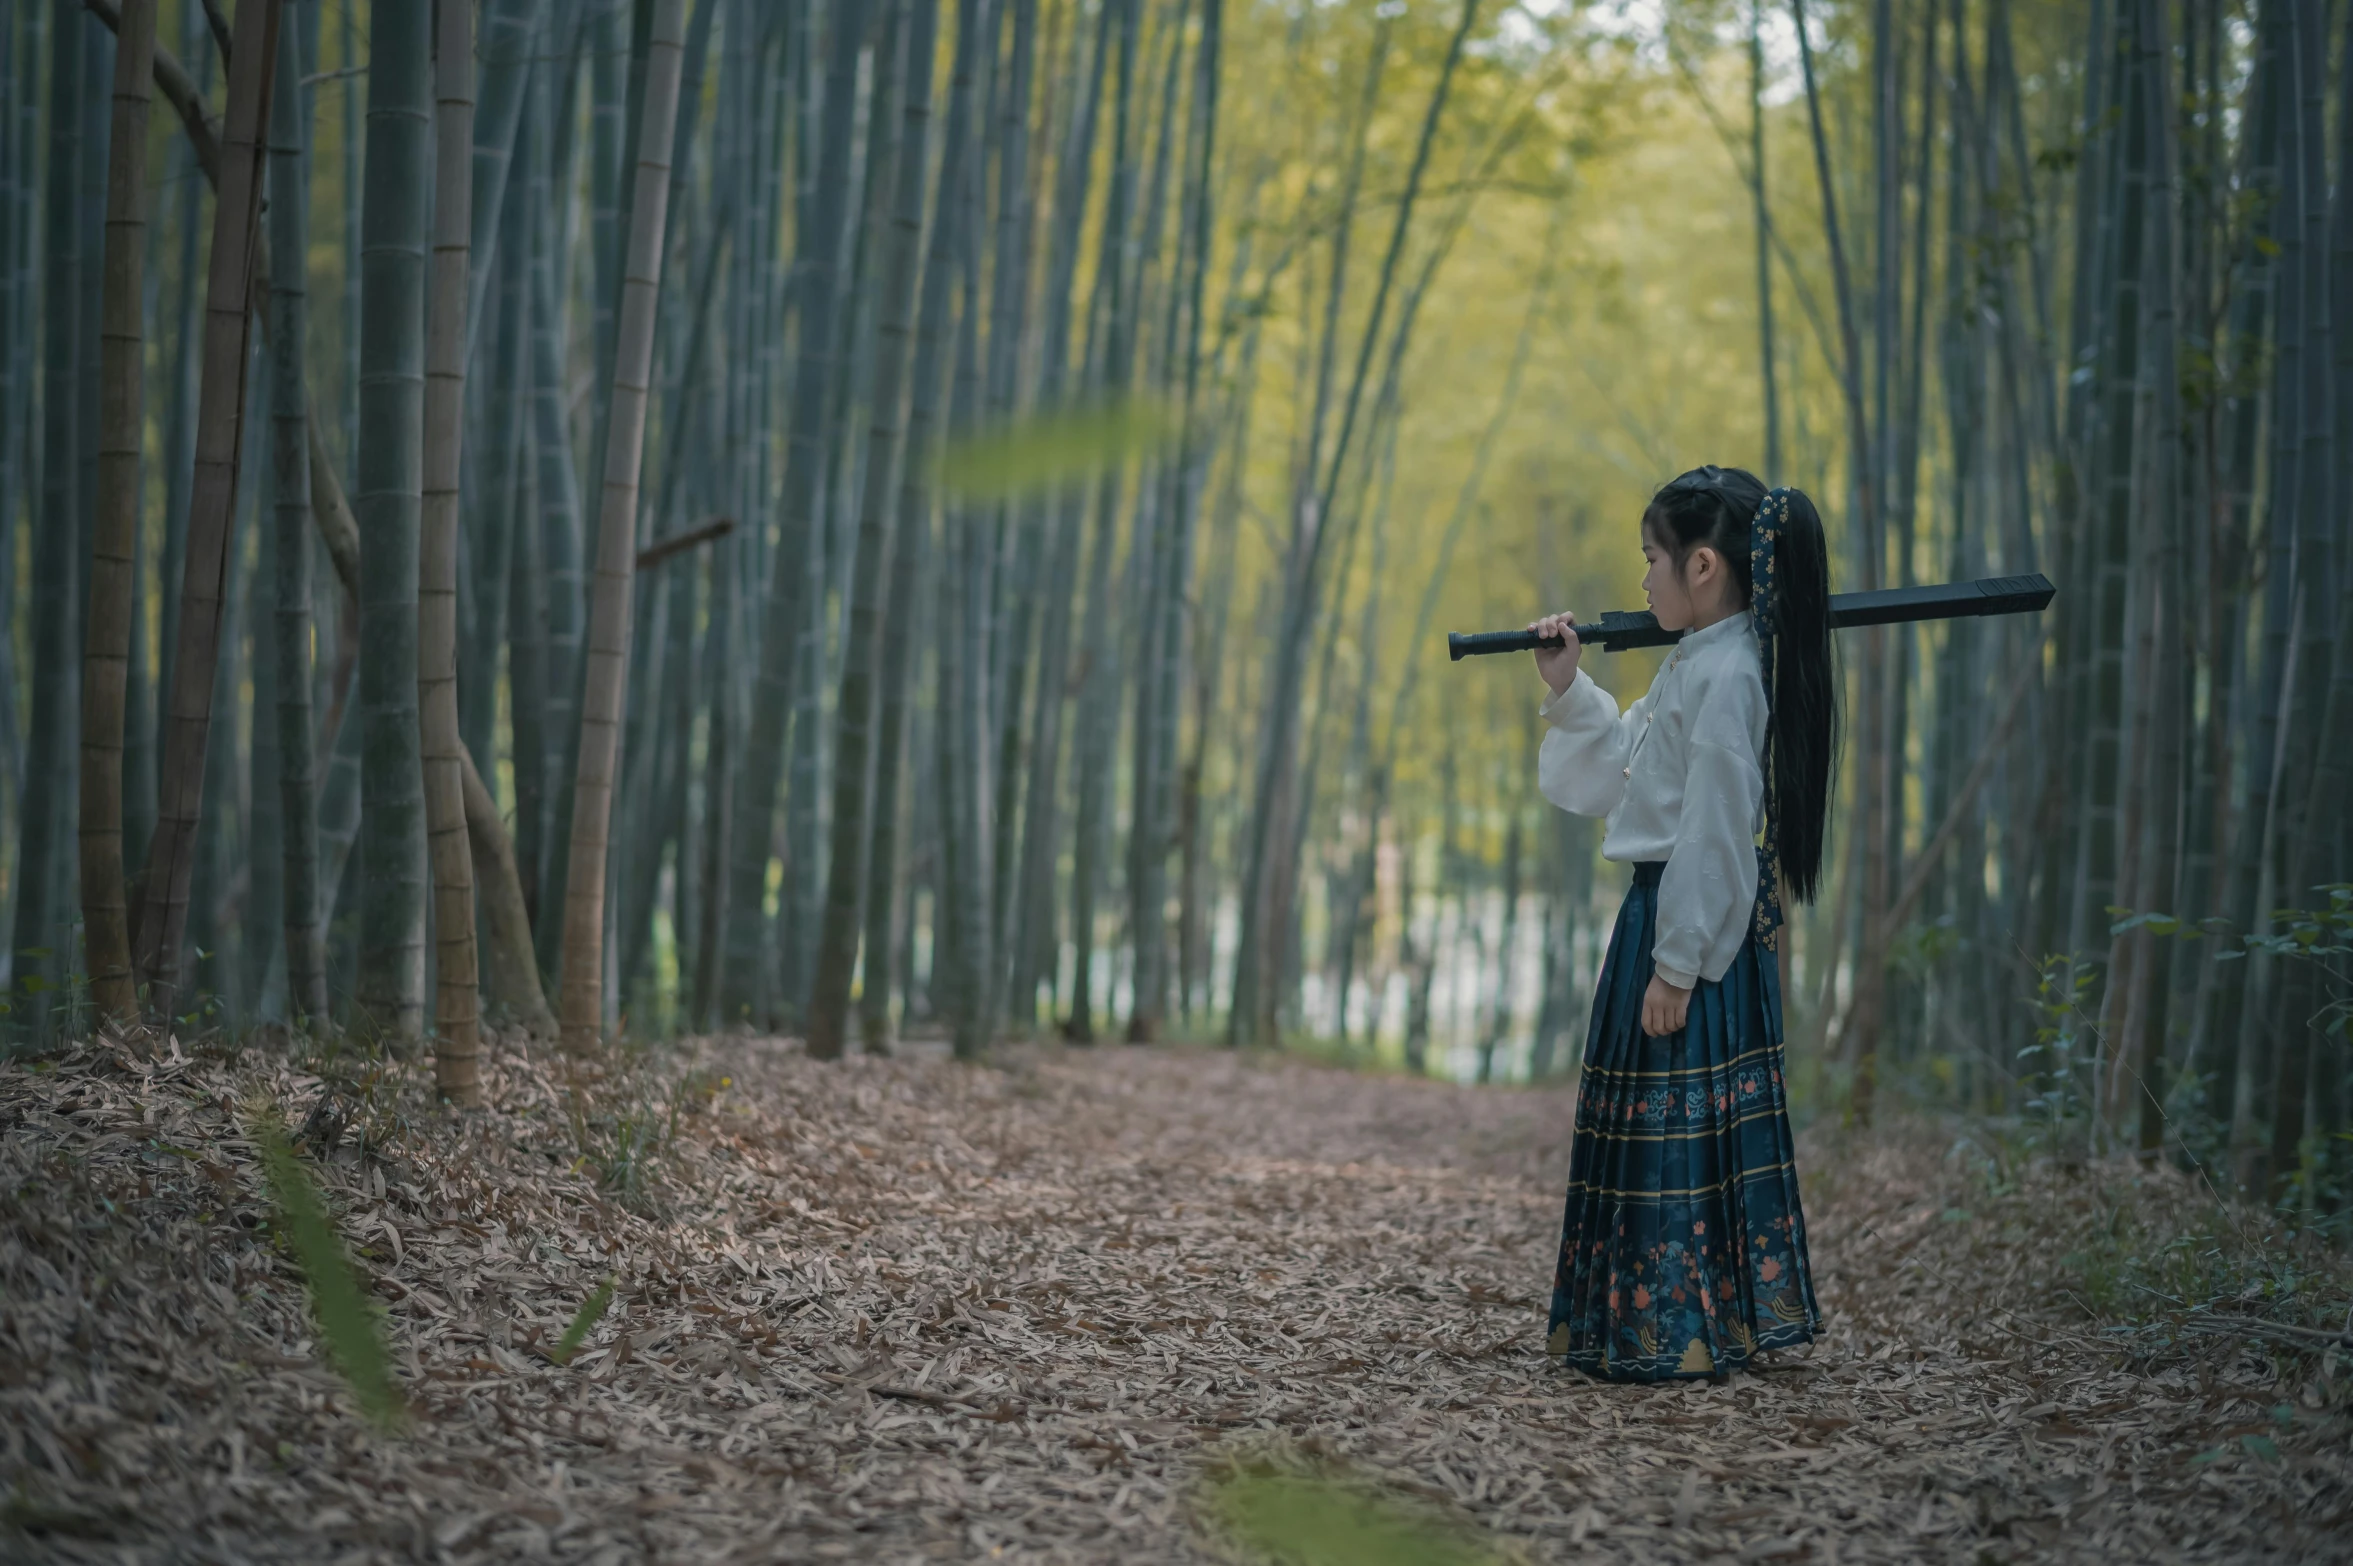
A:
1686	596
1664	587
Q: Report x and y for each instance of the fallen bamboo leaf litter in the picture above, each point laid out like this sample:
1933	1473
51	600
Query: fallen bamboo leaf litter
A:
1039	1311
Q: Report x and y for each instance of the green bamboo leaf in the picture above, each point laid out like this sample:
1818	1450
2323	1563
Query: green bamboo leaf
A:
592	1310
345	1319
1050	448
1318	1522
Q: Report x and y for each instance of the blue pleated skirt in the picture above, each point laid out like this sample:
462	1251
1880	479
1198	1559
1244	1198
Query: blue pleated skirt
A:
1683	1250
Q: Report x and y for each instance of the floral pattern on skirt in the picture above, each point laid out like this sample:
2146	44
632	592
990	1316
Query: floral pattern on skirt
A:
1683	1248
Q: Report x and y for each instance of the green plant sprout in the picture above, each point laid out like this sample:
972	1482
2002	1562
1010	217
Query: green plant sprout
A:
1299	1521
346	1318
592	1310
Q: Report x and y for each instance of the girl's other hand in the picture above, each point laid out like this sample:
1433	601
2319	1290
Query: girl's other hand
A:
1664	1008
1558	665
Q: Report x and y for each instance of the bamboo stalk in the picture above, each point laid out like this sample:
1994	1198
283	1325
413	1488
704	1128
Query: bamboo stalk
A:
854	716
395	226
457	1045
297	480
788	609
1253	987
107	632
163	912
582	991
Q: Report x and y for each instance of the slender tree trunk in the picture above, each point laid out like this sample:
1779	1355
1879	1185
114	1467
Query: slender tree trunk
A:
2330	828
560	510
1021	522
261	905
2060	816
84	297
39	944
914	497
1267	892
961	696
2164	676
1033	936
1880	691
1756	146
1099	689
298	804
20	483
528	677
513	966
2303	835
179	433
655	768
508	28
353	145
718	663
824	582
107	643
2237	831
1499	997
163	911
19	40
341	874
391	983
1196	935
608	644
1159	685
748	89
1862	1038
457	1041
497	512
2286	600
217	891
1277	770
788	609
2111	804
838	950
606	29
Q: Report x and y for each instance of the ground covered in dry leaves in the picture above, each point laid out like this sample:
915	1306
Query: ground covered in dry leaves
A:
1035	1310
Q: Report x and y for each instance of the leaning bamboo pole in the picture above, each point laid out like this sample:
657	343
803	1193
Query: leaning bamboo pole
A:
171	856
582	993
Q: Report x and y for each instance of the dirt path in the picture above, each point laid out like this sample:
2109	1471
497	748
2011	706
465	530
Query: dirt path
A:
908	1310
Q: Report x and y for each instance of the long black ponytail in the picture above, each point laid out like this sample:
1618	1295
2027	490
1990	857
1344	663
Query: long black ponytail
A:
1715	507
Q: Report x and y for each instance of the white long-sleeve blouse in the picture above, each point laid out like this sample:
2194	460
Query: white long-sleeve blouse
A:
1680	775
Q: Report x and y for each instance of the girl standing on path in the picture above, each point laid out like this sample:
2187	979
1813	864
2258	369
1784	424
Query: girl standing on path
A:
1683	1250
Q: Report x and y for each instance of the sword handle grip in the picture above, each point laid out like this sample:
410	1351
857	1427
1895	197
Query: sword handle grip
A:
1478	644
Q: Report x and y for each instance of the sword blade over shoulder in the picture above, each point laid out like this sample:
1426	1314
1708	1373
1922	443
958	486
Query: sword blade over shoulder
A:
1944	601
1619	630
